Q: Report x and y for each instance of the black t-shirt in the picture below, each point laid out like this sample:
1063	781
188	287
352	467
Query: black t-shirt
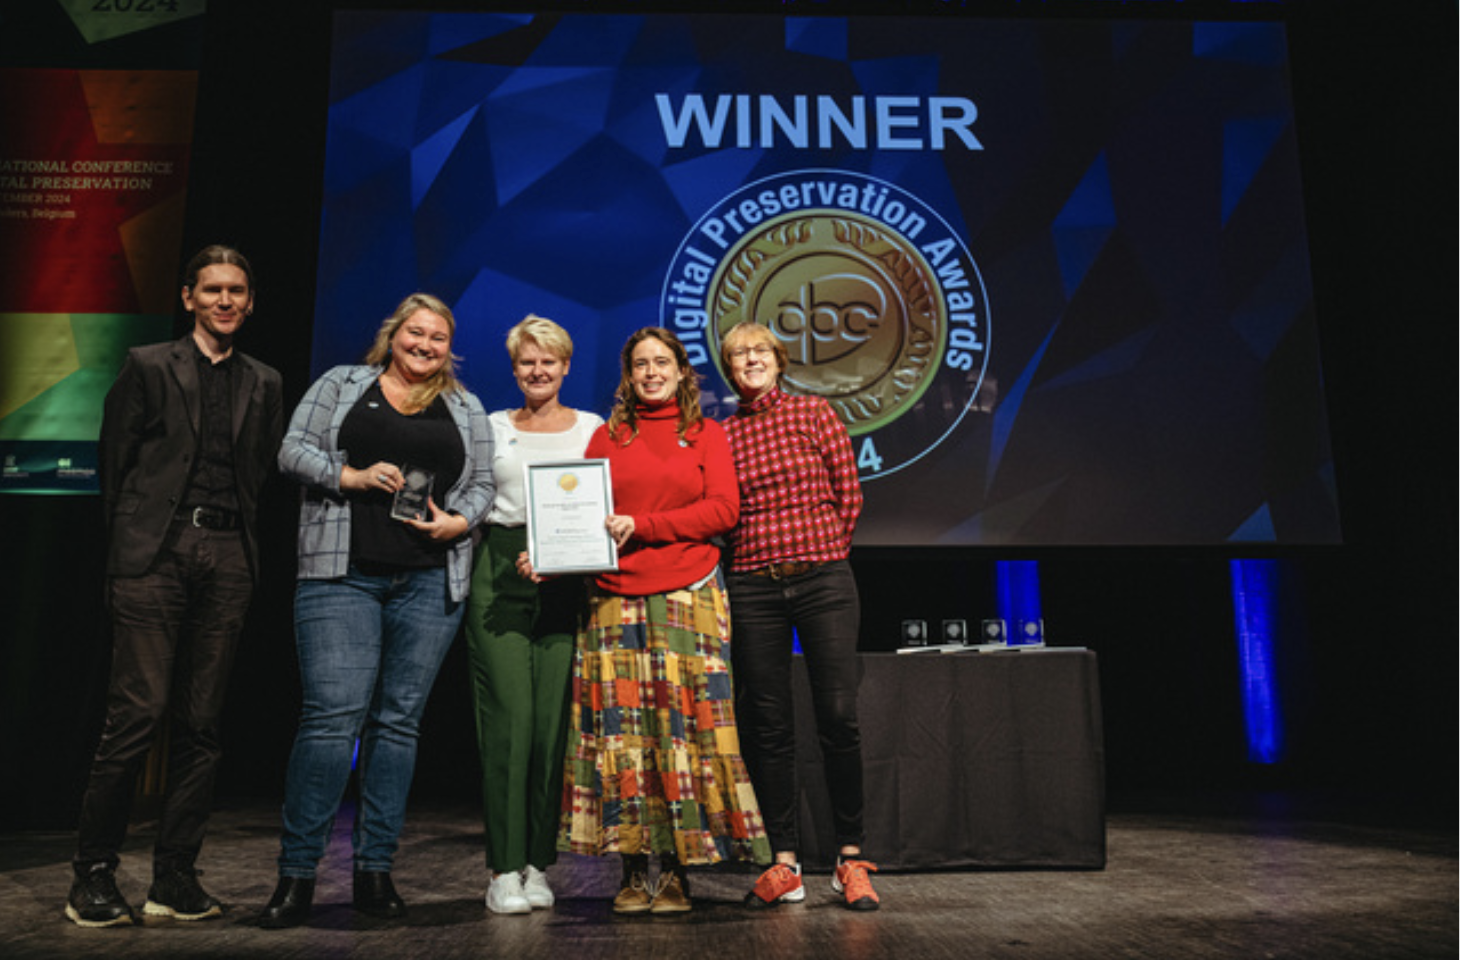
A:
375	431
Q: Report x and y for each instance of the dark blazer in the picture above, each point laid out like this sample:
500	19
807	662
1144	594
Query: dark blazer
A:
149	437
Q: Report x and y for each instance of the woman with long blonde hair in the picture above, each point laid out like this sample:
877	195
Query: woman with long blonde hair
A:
384	572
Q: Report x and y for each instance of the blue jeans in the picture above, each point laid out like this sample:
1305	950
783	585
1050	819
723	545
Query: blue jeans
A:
823	610
369	650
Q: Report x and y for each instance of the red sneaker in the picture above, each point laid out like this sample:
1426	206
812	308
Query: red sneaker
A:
851	880
780	884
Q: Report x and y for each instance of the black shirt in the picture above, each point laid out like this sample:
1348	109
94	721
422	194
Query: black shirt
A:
212	483
374	431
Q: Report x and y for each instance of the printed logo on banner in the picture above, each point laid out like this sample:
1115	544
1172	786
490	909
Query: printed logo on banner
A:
878	302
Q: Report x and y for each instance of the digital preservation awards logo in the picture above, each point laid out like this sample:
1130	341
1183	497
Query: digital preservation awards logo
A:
878	302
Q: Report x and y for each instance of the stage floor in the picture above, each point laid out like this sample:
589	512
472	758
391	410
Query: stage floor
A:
1223	883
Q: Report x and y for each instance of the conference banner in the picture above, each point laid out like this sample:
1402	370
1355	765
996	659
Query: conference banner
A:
93	178
1052	275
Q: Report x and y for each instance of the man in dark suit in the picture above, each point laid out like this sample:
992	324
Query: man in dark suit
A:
189	434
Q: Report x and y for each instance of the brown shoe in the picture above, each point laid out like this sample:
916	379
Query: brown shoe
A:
635	897
672	895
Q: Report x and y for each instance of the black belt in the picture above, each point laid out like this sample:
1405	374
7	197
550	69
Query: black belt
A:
210	518
791	568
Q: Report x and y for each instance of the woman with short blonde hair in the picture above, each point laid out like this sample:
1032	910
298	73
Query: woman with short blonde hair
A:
520	633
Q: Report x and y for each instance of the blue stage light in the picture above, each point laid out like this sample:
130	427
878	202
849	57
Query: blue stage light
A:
1018	595
1254	604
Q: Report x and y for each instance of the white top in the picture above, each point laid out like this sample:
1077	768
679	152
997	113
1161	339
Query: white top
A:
513	449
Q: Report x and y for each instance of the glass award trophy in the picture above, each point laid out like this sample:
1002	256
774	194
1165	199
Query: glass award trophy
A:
410	501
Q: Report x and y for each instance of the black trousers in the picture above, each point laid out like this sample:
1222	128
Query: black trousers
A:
174	632
822	608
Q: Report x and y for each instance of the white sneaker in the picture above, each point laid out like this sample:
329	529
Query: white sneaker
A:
535	888
504	894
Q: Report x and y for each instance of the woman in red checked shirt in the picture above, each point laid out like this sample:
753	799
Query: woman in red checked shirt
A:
799	503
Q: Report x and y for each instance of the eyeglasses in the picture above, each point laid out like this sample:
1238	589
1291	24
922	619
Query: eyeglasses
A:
760	351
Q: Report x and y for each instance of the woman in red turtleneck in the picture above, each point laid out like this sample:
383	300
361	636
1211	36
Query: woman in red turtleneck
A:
653	762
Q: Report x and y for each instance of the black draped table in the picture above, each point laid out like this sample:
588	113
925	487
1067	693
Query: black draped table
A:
990	760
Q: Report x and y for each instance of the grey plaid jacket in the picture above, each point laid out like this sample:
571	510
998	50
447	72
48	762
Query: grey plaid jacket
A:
311	455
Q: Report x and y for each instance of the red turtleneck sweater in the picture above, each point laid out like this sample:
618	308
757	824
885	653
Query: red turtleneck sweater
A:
680	494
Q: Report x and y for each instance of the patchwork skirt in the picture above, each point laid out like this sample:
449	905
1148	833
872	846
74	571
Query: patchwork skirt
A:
653	761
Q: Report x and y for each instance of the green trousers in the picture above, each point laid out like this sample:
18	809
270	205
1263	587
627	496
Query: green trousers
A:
520	647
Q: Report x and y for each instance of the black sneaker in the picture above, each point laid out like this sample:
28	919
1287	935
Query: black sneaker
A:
178	894
95	901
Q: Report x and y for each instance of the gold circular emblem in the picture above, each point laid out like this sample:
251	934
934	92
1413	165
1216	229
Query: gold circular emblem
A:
854	304
568	482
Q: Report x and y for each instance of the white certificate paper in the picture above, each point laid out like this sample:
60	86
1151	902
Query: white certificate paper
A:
567	504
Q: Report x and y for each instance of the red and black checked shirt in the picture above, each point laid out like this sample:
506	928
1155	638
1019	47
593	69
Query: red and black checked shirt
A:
799	494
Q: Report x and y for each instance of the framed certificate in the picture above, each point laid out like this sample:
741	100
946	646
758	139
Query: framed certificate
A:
567	504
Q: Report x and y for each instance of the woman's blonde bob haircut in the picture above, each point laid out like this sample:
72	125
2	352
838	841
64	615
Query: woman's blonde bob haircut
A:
543	333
